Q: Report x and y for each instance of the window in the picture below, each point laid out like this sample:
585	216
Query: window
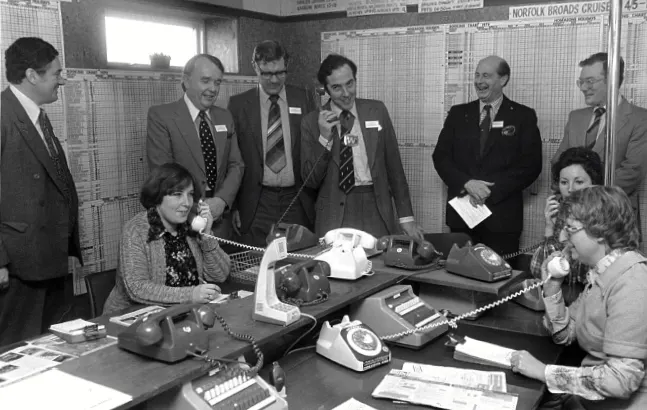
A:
132	38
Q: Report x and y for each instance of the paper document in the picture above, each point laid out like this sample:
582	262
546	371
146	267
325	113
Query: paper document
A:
56	390
352	404
472	215
494	381
412	388
485	351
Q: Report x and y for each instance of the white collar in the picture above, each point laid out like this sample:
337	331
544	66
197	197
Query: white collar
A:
193	110
32	109
265	96
353	110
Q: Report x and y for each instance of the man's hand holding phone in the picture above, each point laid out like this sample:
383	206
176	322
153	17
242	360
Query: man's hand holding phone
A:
550	213
327	121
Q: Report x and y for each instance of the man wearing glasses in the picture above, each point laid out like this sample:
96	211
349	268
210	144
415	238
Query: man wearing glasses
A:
267	120
587	126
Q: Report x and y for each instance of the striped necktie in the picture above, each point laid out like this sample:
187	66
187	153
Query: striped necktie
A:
592	131
346	169
275	156
485	127
54	154
208	150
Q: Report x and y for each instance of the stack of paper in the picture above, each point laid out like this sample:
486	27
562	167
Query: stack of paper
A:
476	351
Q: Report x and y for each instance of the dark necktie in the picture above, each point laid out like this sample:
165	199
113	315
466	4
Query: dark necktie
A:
346	169
592	132
208	150
275	156
485	127
54	154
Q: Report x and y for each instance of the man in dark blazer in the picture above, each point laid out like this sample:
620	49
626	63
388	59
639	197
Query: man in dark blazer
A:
272	159
351	145
490	149
38	200
201	137
587	127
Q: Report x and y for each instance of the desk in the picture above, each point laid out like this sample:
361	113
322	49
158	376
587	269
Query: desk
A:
314	382
143	378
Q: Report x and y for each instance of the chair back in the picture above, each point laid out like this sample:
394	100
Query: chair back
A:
443	242
99	286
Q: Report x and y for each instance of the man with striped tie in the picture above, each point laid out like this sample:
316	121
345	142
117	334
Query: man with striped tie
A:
352	151
39	224
268	120
587	126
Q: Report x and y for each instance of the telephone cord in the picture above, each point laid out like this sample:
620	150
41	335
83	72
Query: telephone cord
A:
254	248
452	323
522	250
314	324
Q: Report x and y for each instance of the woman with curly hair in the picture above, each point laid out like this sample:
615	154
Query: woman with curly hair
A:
162	261
608	318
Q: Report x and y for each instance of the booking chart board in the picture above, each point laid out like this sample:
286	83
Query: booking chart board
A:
420	72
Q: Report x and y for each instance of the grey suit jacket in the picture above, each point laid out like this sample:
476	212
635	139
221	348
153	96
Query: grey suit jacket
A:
246	110
630	149
172	137
389	180
34	212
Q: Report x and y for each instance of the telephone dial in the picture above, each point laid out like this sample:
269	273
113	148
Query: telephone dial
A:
297	236
477	262
171	334
304	283
406	252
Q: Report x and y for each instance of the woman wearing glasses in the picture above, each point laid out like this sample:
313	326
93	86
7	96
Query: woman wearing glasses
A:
608	318
575	169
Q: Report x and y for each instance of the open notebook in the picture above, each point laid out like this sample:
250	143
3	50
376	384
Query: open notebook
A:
476	351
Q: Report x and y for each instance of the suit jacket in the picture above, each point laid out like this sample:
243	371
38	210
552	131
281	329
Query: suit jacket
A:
172	137
511	159
631	144
389	180
246	110
34	212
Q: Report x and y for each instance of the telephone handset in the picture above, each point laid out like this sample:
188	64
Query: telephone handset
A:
354	236
402	251
171	334
297	236
197	222
303	284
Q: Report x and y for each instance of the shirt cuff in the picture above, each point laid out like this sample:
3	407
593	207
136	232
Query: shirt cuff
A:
327	144
406	219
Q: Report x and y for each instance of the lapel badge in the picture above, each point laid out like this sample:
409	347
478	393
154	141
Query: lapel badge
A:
509	131
351	140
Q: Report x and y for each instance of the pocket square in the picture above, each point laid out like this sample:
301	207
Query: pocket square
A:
509	131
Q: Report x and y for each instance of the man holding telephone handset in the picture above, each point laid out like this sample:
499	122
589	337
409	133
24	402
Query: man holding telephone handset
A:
351	148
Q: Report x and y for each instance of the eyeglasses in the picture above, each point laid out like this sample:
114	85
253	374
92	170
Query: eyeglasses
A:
589	82
572	230
267	75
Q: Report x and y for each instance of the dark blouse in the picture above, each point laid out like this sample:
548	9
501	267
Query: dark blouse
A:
181	269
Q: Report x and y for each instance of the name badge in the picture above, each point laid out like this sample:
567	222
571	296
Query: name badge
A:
295	110
221	128
497	124
374	124
351	140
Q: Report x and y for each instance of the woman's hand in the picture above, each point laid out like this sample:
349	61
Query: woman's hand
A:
524	363
553	285
550	213
205	211
205	293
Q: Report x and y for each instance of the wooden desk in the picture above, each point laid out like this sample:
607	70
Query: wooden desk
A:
314	382
143	378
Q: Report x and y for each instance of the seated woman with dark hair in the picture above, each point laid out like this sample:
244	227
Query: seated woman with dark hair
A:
162	261
608	318
575	169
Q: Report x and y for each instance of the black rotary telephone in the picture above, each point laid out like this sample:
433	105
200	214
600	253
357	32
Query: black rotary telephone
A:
406	252
305	283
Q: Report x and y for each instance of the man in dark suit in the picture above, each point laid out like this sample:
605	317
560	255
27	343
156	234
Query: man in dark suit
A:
352	148
268	123
490	149
587	127
201	137
38	204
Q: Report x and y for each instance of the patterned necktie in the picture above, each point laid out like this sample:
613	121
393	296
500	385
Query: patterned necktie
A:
592	132
346	169
275	156
54	154
485	127
208	150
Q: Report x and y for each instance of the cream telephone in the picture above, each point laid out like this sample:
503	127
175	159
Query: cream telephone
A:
346	254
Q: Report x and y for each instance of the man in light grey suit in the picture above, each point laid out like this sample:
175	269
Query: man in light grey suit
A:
39	224
351	148
587	127
201	137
